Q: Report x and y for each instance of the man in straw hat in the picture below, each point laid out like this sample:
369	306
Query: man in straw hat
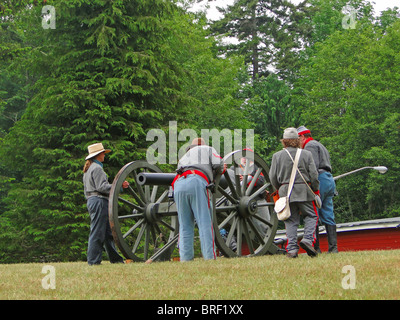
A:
327	186
301	199
196	170
97	189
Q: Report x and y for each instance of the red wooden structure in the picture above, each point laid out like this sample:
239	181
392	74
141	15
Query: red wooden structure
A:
381	234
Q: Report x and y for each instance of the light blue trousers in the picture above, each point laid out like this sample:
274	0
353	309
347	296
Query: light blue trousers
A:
192	202
327	189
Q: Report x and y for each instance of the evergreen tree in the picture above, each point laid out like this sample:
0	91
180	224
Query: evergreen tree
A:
269	104
110	71
350	102
267	34
107	75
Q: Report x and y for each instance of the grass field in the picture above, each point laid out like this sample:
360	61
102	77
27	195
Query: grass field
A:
373	275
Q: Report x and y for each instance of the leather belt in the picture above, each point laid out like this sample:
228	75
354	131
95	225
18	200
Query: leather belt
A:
98	194
189	172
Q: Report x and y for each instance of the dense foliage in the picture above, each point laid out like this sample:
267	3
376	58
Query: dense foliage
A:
112	70
350	100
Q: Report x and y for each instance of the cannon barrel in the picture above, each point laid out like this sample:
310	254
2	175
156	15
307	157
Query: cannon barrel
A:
164	179
155	179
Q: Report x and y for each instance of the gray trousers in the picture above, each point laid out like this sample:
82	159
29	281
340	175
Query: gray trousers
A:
310	217
100	233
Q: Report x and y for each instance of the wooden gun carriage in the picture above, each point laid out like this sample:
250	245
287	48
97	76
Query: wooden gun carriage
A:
144	220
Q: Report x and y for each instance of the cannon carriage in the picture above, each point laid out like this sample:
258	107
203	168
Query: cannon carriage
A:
144	219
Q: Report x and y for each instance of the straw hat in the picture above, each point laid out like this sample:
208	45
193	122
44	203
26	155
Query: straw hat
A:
95	149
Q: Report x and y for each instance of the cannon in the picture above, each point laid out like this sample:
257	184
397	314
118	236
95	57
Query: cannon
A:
144	219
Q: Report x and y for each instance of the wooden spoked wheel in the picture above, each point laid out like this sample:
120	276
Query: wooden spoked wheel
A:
143	219
245	222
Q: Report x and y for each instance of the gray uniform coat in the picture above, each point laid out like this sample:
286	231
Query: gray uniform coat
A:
320	155
301	197
281	169
95	181
203	158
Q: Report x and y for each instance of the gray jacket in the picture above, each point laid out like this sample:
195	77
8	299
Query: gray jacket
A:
320	155
203	158
281	169
95	182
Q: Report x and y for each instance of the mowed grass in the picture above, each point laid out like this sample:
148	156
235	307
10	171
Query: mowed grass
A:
377	275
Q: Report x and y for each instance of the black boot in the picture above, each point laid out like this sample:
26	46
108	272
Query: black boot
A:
316	243
332	238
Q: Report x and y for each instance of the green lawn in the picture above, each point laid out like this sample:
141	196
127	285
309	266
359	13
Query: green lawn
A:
375	275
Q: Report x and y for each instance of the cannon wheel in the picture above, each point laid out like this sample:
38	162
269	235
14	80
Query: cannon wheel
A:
245	222
143	221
